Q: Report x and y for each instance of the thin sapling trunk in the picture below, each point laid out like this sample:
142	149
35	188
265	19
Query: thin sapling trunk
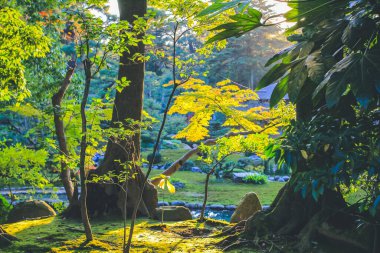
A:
83	195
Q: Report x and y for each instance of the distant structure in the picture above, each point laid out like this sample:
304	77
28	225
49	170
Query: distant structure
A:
265	94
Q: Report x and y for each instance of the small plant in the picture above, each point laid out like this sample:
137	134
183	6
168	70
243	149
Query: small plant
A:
5	208
256	179
164	184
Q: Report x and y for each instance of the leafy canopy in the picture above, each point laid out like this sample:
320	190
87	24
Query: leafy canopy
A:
19	41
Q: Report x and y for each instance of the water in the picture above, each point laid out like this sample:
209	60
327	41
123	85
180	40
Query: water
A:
213	214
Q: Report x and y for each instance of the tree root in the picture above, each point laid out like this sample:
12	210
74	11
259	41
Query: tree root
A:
5	238
237	228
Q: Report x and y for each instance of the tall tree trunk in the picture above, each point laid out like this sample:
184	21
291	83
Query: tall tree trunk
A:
128	104
60	132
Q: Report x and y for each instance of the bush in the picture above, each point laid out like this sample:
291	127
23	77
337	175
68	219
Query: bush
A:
256	179
187	166
157	159
5	208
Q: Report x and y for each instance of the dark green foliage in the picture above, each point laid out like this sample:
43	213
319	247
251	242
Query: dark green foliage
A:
157	158
256	179
334	152
5	208
187	166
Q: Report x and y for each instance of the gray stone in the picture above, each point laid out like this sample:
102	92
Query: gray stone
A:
196	169
276	178
172	213
178	185
265	207
177	203
281	180
271	178
248	206
230	207
286	178
161	203
29	210
216	207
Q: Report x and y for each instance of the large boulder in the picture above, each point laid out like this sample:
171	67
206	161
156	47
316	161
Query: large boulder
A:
173	213
29	210
248	206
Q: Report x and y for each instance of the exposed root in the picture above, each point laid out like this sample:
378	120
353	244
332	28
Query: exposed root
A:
237	228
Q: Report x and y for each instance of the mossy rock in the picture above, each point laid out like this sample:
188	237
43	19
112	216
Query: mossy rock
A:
173	213
249	205
29	210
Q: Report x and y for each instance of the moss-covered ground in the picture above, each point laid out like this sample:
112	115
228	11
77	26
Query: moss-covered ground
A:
60	235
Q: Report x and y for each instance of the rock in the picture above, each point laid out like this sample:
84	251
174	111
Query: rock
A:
265	207
270	178
178	185
248	206
29	210
216	207
196	169
155	167
177	203
276	178
286	178
281	180
173	213
230	207
161	203
194	206
239	176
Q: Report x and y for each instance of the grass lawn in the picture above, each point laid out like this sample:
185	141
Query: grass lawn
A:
220	192
59	235
171	155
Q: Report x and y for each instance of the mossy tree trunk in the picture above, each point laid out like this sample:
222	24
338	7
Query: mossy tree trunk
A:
328	221
105	199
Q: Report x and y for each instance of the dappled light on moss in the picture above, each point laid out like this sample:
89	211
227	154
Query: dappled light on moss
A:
24	225
60	236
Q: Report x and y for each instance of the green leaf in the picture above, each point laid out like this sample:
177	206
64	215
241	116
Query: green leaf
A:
220	6
279	91
297	78
244	22
279	55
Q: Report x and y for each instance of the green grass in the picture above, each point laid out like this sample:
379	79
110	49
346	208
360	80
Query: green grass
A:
171	155
222	192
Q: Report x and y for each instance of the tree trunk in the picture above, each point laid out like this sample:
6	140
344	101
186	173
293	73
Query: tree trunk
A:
83	147
5	238
61	137
103	199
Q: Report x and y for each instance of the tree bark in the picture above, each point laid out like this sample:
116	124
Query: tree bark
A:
5	238
103	199
60	132
83	147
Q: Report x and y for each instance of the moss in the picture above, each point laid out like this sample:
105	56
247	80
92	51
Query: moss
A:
59	235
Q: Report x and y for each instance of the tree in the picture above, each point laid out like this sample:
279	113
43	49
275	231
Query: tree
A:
127	105
331	74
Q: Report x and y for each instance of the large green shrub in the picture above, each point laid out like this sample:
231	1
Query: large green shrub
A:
256	179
